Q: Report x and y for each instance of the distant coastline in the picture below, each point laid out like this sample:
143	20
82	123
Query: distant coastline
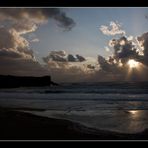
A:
9	81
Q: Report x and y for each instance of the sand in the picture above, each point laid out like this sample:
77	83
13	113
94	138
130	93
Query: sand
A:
17	125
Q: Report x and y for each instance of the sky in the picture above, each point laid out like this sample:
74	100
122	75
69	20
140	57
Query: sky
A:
74	44
85	37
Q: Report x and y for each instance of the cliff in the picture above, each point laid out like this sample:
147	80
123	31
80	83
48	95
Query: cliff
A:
24	81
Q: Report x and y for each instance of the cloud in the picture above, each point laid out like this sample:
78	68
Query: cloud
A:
124	49
80	58
67	71
116	67
7	54
16	57
13	65
130	38
72	68
6	39
103	63
75	58
113	68
62	56
112	29
27	19
143	41
71	58
35	40
107	65
107	49
59	56
11	41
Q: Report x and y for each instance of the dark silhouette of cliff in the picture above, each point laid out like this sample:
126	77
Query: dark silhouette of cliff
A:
25	81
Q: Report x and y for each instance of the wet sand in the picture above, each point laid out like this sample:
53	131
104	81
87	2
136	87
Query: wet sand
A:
17	125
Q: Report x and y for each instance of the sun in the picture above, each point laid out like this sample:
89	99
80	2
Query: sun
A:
132	63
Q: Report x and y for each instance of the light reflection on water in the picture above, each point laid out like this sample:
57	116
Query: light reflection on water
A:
115	118
136	123
134	113
127	115
124	121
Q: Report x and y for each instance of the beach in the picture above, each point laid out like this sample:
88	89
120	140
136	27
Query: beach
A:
73	74
18	125
97	111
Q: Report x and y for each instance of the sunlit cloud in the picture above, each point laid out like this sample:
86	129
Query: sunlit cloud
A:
35	40
112	29
17	57
107	49
133	64
62	56
74	69
128	55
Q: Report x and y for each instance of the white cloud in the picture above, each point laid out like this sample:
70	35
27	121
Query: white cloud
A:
35	40
107	49
112	29
130	38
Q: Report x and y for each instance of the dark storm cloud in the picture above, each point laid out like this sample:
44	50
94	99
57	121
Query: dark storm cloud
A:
103	63
59	16
37	15
116	66
110	70
80	58
106	66
71	58
76	58
124	50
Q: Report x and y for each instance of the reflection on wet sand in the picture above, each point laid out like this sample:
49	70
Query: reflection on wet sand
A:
136	123
124	121
134	113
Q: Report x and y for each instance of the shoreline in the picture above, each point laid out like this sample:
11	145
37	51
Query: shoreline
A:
17	125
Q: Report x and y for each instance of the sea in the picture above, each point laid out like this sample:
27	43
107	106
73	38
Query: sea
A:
112	106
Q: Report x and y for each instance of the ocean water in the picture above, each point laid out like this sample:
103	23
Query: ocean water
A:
113	106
